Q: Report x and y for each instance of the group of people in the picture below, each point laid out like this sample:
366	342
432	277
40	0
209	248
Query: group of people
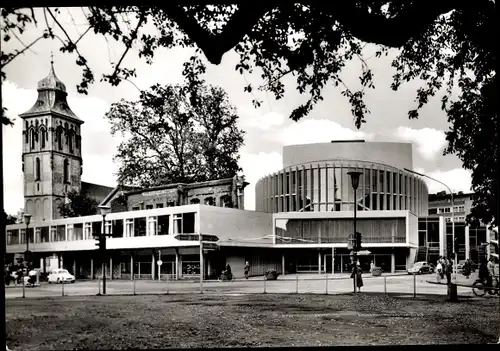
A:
444	267
16	272
229	275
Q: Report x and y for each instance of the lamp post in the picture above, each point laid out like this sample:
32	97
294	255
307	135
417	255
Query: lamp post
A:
355	183
104	211
27	220
452	217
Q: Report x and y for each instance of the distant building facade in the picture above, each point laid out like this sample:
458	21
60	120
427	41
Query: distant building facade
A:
471	239
440	205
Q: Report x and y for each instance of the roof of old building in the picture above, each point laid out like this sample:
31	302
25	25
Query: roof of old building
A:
52	98
96	191
116	191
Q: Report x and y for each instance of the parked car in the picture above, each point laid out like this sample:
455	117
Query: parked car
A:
60	276
419	268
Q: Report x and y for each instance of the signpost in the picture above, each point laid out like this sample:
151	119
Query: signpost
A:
206	241
187	237
210	246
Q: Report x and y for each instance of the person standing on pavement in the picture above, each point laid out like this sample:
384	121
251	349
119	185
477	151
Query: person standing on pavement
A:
247	269
483	272
439	271
357	274
449	269
495	272
491	272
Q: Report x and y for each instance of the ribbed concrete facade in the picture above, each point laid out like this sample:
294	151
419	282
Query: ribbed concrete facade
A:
324	185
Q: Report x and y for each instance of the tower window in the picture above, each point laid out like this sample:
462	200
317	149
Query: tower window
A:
43	131
34	136
70	141
59	137
37	169
66	171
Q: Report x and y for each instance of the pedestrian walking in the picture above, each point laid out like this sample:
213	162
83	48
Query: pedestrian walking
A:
357	275
247	269
439	271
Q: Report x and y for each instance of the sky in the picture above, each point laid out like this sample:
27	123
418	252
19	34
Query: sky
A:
267	128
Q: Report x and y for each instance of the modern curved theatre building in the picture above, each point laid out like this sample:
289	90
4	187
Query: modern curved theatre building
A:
302	221
312	199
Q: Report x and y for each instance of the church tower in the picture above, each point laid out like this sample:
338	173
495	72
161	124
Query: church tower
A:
52	162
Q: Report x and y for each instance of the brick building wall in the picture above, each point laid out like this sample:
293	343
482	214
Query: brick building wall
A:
222	193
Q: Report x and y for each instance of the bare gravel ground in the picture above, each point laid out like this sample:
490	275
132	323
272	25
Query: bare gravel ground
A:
121	322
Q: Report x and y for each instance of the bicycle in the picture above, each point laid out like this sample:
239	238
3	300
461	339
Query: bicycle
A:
226	277
479	289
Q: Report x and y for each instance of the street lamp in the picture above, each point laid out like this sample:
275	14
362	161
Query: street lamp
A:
355	183
27	220
452	217
104	211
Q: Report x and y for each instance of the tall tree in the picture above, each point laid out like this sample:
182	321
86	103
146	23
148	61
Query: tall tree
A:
440	43
78	205
176	133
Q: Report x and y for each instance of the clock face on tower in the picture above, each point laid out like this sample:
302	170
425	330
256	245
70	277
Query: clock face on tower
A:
51	150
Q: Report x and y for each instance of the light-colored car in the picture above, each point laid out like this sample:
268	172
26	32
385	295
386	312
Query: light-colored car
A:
60	276
419	268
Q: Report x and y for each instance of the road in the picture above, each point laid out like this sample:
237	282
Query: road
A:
315	284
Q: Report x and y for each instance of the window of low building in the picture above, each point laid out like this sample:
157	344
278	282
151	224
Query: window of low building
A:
151	226
88	231
140	226
96	228
13	237
177	229
78	231
31	235
188	222
163	222
129	227
117	228
22	236
69	232
44	234
59	233
149	207
159	205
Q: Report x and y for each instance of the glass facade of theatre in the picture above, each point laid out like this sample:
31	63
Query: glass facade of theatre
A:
326	186
323	231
